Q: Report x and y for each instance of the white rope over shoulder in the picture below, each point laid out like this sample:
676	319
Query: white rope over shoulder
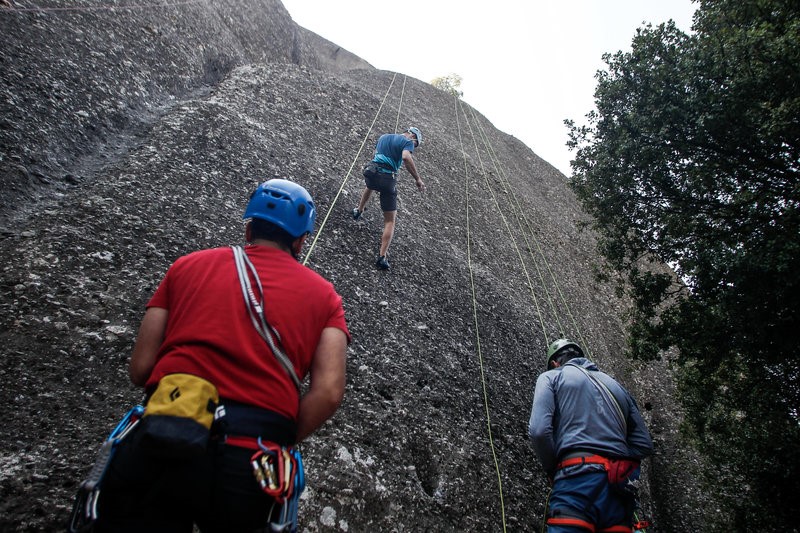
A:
255	307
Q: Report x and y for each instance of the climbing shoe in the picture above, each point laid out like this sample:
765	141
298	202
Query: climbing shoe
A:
382	263
357	214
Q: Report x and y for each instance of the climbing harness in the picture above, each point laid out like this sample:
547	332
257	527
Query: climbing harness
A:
84	510
576	521
255	306
570	520
619	471
583	524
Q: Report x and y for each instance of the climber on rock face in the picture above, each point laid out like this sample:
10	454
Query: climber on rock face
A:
223	348
590	438
391	152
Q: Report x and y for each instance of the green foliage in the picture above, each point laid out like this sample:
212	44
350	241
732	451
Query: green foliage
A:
450	83
692	159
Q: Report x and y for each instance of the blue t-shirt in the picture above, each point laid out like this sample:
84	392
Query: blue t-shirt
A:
389	149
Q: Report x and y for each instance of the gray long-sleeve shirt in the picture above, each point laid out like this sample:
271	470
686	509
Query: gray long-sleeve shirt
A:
570	414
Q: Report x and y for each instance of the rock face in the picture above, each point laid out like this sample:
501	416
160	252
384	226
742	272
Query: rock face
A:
131	136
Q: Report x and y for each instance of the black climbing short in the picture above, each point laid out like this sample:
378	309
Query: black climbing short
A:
385	184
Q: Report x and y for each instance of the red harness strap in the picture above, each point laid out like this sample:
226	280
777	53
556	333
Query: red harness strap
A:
573	522
251	443
588	460
577	522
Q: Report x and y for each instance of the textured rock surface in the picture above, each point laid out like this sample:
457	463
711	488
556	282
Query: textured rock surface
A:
132	136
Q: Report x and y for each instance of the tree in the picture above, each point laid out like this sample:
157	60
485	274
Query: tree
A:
692	159
450	83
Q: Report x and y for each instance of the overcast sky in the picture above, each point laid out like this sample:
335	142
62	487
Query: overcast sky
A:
526	64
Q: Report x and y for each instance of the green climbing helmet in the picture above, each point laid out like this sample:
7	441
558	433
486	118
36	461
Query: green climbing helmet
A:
557	346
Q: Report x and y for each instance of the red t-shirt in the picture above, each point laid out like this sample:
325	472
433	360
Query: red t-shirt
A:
210	334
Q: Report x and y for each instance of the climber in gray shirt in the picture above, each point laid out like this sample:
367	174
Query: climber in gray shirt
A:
590	437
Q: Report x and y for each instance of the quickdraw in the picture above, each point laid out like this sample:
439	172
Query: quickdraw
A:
274	466
84	510
280	473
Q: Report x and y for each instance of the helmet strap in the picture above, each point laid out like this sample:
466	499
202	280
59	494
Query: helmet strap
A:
297	245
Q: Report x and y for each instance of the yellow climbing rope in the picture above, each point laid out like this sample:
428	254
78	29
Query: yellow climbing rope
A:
527	232
400	106
529	235
475	322
507	225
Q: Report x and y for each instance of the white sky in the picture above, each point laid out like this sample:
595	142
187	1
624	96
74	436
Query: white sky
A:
526	64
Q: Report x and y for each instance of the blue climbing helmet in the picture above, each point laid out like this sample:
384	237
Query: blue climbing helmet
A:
555	348
416	132
285	204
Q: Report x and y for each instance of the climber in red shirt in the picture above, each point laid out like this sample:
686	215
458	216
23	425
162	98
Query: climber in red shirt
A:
200	322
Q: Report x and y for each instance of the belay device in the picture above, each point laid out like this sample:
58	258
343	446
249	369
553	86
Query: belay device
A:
84	510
